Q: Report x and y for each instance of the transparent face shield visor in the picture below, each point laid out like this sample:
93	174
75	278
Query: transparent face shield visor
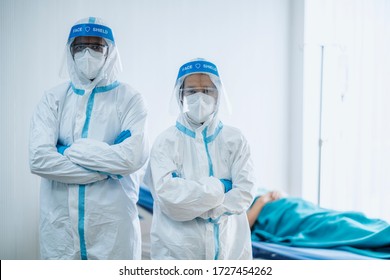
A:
187	95
199	102
179	103
105	49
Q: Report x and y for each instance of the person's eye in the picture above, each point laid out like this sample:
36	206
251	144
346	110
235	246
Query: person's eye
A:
97	48
210	91
189	91
78	48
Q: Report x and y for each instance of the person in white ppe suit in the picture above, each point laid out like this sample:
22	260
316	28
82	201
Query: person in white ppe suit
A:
201	176
87	142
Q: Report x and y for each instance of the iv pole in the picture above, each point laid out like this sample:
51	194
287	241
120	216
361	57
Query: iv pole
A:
320	141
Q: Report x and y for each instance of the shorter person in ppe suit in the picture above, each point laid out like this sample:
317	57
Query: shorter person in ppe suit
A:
201	176
88	142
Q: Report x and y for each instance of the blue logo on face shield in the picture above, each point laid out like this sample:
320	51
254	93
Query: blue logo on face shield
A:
91	29
197	67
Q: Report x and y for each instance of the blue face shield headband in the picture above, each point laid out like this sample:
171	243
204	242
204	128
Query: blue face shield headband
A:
200	66
91	30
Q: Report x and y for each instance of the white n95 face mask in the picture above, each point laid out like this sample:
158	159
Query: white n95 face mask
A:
89	62
199	106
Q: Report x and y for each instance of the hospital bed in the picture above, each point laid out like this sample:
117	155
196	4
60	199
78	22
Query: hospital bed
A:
261	250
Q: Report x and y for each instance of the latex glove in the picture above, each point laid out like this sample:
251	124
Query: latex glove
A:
227	184
61	148
122	136
176	174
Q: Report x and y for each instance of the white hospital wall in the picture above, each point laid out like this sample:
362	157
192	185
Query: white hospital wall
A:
249	40
295	99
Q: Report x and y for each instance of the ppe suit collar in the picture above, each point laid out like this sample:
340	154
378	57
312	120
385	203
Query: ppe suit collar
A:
105	88
209	130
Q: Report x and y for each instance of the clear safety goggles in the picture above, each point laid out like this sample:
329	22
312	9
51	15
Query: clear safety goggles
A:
75	48
206	90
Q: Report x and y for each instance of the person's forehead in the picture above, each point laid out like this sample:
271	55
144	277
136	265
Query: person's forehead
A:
198	79
88	39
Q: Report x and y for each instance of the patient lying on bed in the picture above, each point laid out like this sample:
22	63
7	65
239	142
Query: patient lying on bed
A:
276	218
257	206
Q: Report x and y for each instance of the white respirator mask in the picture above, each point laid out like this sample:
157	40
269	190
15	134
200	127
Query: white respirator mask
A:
89	62
199	106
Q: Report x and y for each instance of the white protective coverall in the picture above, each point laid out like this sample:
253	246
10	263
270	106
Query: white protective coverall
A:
89	194
193	217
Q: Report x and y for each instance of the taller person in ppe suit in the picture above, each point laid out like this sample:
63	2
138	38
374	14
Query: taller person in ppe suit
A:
87	142
201	176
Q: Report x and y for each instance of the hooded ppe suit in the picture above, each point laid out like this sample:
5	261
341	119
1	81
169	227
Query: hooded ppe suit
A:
193	217
89	194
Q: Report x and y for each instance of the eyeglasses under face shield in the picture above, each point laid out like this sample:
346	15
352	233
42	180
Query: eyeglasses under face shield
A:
206	90
79	47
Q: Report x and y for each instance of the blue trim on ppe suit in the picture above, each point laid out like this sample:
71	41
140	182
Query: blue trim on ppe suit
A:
84	134
206	141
